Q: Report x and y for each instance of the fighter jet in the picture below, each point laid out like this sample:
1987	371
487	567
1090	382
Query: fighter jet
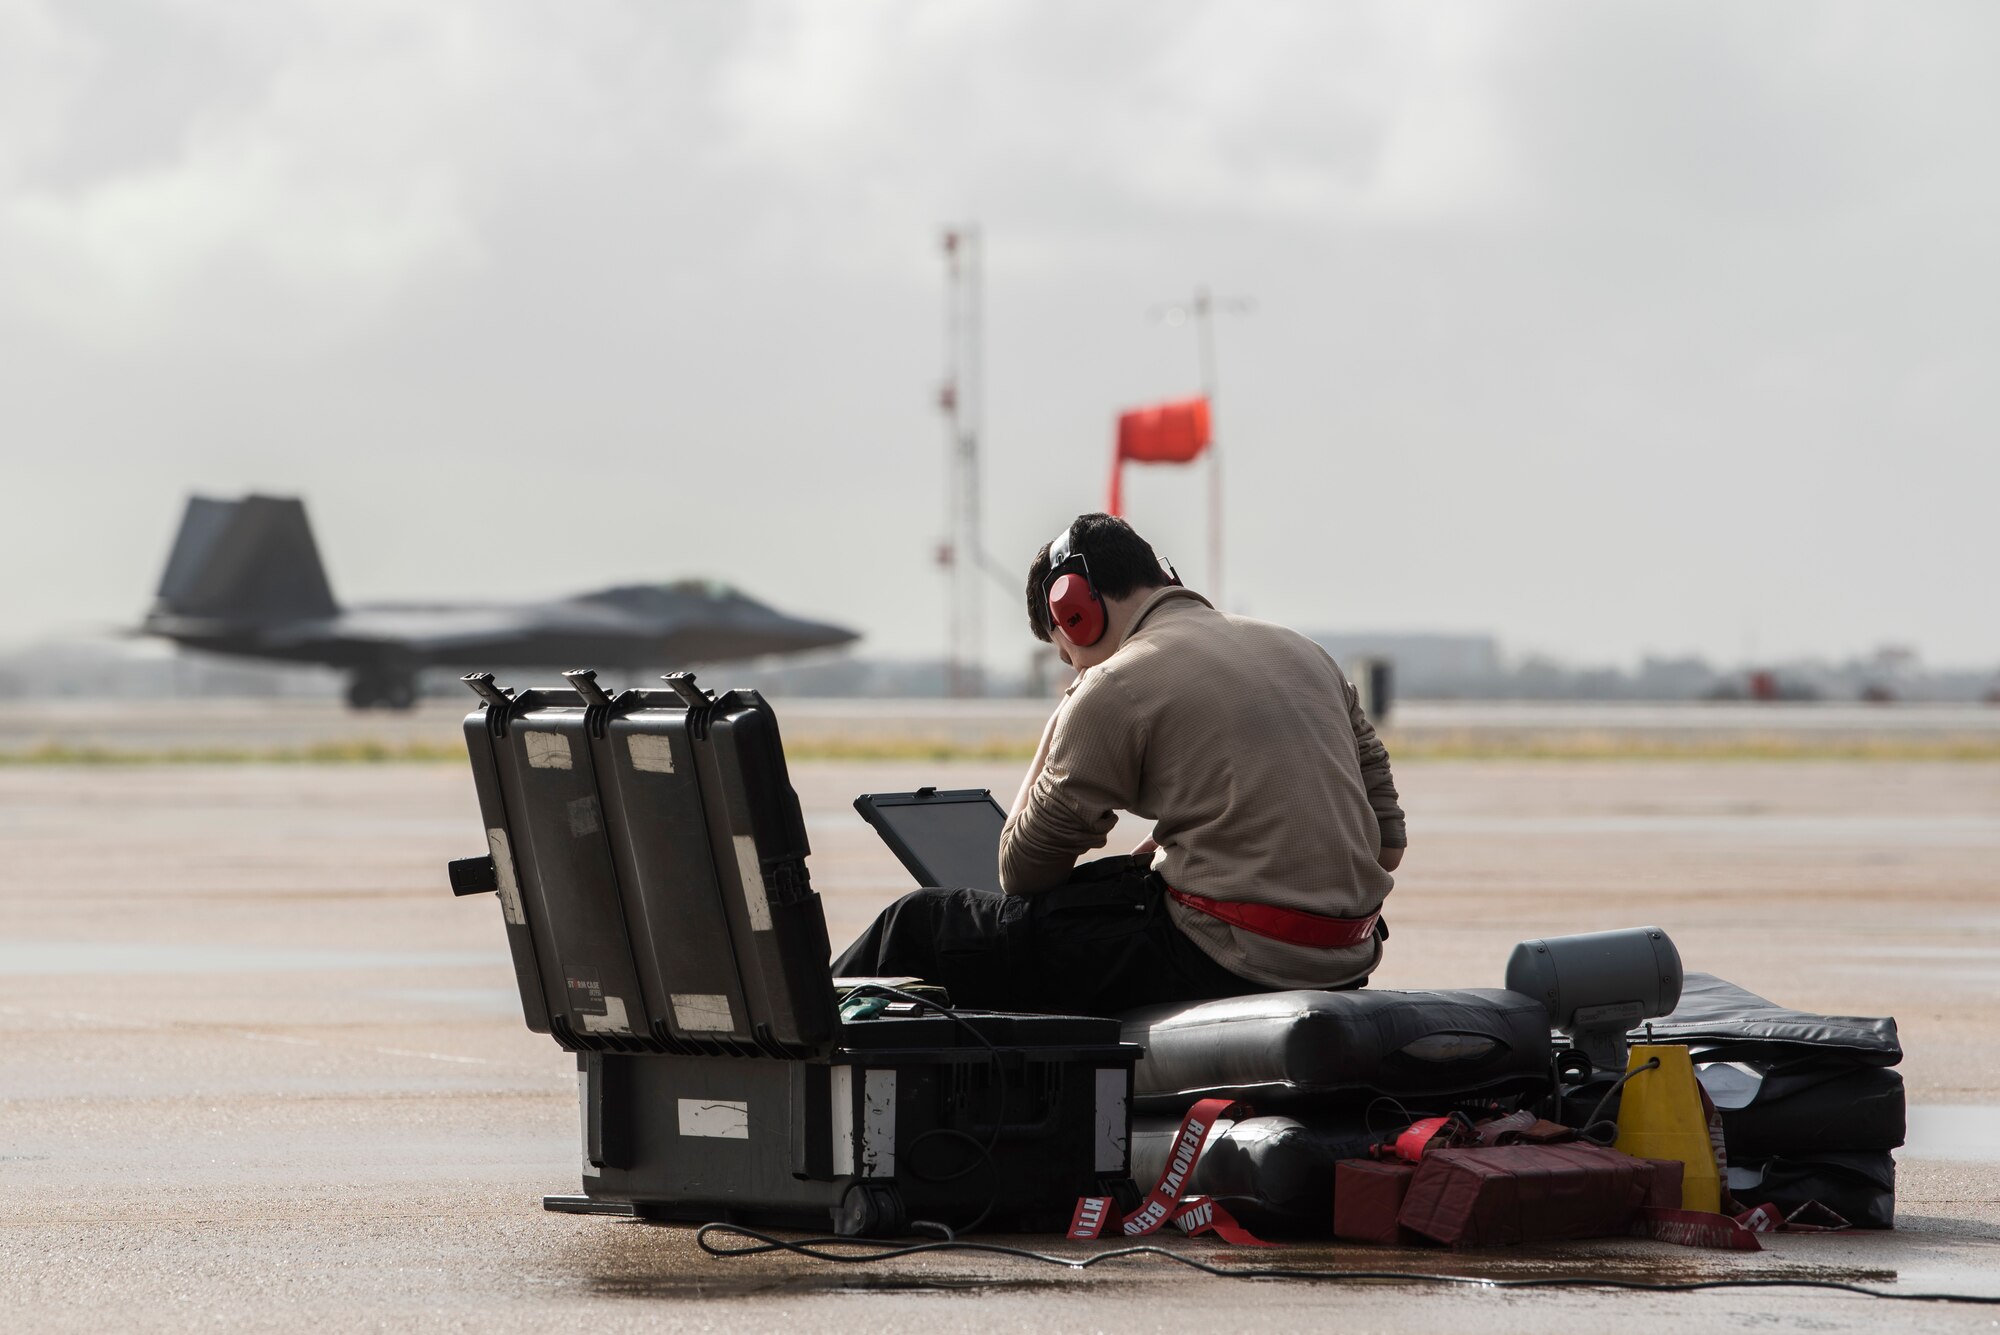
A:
244	577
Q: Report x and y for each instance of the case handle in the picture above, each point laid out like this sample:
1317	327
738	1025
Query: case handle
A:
584	682
682	684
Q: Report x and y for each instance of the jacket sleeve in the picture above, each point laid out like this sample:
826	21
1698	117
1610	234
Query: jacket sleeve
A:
1375	773
1092	773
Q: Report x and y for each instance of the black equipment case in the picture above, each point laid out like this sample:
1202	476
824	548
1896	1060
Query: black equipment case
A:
1307	1050
650	858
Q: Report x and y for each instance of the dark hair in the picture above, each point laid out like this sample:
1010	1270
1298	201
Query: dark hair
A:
1120	562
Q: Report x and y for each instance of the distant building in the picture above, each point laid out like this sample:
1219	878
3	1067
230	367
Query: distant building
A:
1427	663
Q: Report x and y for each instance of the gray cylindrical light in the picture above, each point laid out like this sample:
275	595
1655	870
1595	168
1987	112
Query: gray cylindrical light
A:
1597	985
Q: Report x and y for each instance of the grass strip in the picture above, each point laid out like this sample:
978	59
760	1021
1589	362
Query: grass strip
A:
375	752
1466	746
1772	746
358	752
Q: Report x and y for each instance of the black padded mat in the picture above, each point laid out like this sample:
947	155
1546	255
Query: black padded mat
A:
1304	1048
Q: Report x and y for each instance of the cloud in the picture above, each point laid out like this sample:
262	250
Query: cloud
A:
1307	113
329	158
1560	305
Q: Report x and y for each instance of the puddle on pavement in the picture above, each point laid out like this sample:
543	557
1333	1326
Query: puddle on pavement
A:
844	1281
58	958
1589	1261
1112	1276
1611	1261
1974	1278
1964	1131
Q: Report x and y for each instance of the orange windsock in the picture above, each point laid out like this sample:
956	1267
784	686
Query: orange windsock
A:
1166	433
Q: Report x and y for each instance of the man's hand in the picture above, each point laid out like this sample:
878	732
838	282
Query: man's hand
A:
1389	858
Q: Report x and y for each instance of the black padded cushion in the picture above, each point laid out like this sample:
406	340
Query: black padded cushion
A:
1860	1187
1723	1022
1804	1107
1275	1174
1309	1048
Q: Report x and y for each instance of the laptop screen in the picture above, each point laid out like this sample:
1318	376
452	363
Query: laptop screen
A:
949	839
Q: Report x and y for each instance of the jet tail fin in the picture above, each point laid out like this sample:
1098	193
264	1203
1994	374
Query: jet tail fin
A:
252	559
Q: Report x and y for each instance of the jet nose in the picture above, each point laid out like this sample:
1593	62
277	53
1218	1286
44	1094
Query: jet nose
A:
816	634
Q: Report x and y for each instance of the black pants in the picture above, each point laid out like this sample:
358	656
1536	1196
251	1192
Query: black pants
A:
1099	945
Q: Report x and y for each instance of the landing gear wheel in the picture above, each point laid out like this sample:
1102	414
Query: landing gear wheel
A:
379	690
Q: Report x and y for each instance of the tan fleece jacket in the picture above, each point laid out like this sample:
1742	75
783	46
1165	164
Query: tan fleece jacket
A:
1245	745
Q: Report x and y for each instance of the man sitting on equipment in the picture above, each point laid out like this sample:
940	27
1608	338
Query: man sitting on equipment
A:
1275	819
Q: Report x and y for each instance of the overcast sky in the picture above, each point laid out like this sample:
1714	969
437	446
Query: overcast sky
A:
1610	328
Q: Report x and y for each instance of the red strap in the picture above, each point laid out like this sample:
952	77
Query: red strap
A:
1201	1214
1091	1212
1429	1133
1194	1216
1696	1228
1812	1217
1281	924
1168	1202
1761	1219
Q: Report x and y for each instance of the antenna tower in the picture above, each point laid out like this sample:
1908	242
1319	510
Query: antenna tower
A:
1201	313
962	399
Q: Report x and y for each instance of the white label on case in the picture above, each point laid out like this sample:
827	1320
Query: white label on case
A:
547	750
613	1021
503	872
583	1105
756	899
1113	1083
878	1124
841	1095
708	1011
718	1119
650	753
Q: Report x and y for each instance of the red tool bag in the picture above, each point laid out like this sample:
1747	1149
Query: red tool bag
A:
1525	1193
1368	1196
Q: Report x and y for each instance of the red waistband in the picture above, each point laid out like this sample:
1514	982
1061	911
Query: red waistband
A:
1294	926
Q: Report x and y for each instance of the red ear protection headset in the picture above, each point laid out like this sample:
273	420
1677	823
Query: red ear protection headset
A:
1076	612
1075	608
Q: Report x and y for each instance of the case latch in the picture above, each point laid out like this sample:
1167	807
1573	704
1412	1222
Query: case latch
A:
473	876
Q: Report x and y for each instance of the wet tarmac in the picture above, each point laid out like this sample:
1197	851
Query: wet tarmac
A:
1969	1131
260	1070
291	724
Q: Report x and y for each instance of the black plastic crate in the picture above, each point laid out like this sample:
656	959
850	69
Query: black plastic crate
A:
910	1118
650	858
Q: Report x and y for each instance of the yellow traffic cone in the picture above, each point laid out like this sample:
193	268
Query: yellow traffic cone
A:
1660	1116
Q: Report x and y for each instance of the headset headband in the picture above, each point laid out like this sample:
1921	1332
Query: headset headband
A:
1059	546
1060	551
1060	555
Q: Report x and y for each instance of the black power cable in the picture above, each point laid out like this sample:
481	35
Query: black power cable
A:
1593	1126
865	1250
